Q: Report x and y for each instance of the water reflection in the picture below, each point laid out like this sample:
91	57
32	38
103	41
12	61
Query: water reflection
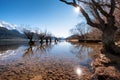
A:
38	50
10	45
9	49
80	52
78	71
12	54
28	51
83	53
45	47
52	58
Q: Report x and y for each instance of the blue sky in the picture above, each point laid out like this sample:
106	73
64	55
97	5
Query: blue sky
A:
53	15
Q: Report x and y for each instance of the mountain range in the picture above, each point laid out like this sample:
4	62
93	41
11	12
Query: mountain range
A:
10	31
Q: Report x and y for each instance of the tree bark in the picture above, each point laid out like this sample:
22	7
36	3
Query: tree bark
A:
106	26
108	40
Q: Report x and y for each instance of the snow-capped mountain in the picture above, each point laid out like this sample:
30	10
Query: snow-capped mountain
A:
8	31
10	26
7	25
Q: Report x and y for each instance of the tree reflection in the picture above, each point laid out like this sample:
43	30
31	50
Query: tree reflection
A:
81	51
45	47
101	67
38	50
28	51
84	53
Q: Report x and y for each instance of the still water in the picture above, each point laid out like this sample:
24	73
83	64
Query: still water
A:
80	53
45	57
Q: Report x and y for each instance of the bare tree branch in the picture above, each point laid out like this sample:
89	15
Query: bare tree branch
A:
112	7
73	3
89	21
100	8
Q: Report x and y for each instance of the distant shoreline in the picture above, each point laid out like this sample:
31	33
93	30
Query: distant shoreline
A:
6	42
14	40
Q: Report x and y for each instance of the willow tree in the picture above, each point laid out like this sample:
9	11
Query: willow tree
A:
41	36
100	14
29	36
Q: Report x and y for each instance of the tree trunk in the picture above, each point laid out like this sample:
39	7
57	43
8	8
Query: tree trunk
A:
31	42
108	39
46	40
41	40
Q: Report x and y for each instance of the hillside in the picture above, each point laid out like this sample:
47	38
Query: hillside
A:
10	34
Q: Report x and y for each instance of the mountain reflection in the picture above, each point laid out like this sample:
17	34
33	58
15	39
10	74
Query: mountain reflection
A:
82	53
11	54
9	45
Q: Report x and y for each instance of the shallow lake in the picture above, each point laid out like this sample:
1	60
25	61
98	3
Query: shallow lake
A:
39	59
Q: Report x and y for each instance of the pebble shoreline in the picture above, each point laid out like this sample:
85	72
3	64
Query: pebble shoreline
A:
42	69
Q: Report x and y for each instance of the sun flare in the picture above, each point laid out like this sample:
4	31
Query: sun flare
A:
78	71
77	9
